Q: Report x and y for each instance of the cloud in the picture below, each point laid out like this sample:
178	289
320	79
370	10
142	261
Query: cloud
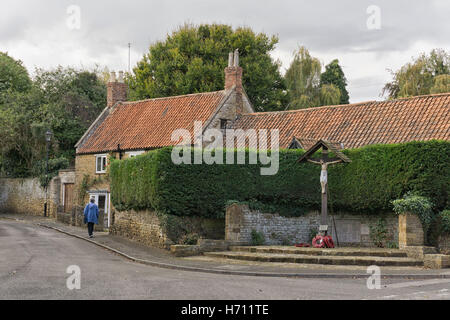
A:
37	32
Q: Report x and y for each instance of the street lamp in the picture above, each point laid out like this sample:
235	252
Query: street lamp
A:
48	138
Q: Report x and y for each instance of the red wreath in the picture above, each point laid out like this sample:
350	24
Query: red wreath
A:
323	242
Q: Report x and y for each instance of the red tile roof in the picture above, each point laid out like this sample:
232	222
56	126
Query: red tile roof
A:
149	123
355	125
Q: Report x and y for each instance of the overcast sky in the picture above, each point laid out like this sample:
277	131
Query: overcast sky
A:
45	33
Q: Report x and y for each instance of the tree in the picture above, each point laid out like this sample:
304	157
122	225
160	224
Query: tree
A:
193	58
72	100
334	75
13	75
63	100
329	95
303	81
424	75
441	84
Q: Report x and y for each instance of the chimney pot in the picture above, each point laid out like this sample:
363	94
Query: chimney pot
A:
230	59
116	90
236	58
113	77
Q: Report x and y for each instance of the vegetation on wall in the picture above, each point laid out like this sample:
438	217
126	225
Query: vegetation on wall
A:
415	204
377	175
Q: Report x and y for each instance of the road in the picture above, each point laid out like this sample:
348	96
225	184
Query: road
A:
34	262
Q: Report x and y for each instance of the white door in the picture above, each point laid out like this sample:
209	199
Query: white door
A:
102	201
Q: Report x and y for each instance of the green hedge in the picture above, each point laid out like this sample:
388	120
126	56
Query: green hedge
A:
377	175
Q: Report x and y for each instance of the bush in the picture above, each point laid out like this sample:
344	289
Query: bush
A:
415	204
445	221
257	238
377	175
378	233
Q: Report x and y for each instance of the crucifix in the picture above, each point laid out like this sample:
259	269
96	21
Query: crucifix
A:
324	162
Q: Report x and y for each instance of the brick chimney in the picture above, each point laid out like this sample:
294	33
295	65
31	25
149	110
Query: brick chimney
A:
116	89
233	77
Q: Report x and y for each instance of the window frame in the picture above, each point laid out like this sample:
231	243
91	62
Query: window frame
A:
103	169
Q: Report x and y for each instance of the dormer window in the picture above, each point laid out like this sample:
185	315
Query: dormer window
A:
100	163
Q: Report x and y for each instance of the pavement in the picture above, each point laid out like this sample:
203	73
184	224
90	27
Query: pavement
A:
161	258
37	262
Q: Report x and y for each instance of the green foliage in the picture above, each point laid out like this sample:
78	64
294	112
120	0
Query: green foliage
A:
415	204
333	75
307	87
392	245
257	238
420	77
193	58
445	221
85	185
63	100
54	165
441	84
312	234
378	233
13	75
303	80
377	175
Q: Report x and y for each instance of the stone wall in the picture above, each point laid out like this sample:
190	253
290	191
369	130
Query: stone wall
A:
26	196
410	230
444	244
162	231
141	226
76	218
352	230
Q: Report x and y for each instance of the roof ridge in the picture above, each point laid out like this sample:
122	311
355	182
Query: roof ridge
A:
172	97
431	95
350	104
313	108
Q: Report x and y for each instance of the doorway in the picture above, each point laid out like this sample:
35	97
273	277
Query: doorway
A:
102	200
68	197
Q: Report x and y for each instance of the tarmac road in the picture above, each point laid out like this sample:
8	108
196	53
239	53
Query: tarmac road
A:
34	261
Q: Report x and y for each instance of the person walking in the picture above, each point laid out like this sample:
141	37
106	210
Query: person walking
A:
91	216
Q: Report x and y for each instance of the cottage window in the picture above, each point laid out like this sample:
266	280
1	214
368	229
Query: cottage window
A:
100	163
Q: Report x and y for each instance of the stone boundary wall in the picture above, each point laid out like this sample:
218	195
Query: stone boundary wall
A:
444	244
141	226
76	218
26	196
352	230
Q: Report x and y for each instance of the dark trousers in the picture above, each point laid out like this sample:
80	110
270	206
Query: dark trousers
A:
90	228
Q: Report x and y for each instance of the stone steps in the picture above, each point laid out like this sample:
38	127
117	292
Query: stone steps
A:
353	252
316	259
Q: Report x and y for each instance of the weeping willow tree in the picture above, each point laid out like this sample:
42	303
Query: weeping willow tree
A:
424	75
303	81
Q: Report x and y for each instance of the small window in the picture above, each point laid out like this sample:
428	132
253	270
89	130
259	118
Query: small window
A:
223	123
100	164
133	154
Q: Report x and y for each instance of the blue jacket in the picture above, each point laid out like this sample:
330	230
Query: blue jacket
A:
91	213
